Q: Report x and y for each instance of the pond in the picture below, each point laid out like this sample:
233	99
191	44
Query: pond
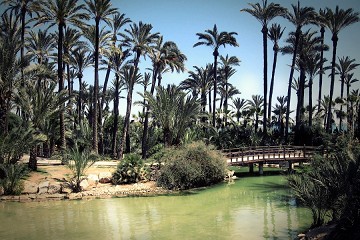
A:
248	208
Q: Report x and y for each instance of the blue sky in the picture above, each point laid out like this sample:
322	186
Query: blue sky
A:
180	20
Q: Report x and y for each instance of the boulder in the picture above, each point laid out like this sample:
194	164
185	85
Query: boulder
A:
44	187
84	184
65	188
93	180
54	188
30	188
105	177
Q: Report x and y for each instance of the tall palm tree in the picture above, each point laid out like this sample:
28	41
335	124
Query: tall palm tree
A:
313	67
256	106
344	68
117	21
199	82
165	56
280	112
264	13
80	59
60	13
336	21
350	110
10	65
140	40
99	10
275	34
299	17
321	20
214	39
226	71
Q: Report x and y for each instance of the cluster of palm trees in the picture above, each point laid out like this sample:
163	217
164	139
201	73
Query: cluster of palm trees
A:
45	46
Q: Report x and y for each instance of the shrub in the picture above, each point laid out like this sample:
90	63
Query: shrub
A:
78	162
130	170
12	178
193	165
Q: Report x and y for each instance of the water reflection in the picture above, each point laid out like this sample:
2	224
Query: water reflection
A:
250	208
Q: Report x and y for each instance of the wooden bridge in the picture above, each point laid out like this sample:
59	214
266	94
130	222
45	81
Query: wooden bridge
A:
285	156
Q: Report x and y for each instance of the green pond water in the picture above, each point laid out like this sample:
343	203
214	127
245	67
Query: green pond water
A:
248	208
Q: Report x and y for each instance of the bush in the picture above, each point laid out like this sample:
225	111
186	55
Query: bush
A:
12	178
130	170
78	162
193	165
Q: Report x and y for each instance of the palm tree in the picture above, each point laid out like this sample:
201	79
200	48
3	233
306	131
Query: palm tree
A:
275	34
313	67
321	20
239	104
99	10
226	72
60	13
215	39
40	45
140	40
10	45
117	21
350	110
335	22
80	59
173	112
344	68
199	82
299	17
280	112
256	106
165	56
264	13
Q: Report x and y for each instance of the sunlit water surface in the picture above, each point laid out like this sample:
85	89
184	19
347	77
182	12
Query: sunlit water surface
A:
248	208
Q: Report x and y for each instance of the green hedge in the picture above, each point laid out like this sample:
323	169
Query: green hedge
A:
190	166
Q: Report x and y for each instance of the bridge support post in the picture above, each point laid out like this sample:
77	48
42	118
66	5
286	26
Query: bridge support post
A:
290	166
251	167
261	168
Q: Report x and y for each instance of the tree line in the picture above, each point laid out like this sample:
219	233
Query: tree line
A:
45	46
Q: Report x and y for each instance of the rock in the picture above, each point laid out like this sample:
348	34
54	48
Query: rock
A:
93	180
30	188
10	198
54	188
84	184
57	196
105	177
74	196
65	188
44	187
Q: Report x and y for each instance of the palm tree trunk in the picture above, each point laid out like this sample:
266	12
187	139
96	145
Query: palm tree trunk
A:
328	123
144	144
33	159
61	85
79	98
272	81
341	105
215	53
264	32
116	117
310	101
297	36
322	30
96	90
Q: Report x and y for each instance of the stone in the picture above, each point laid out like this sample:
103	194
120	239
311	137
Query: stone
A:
105	177
84	184
54	188
74	196
9	198
93	180
56	196
44	187
30	188
65	188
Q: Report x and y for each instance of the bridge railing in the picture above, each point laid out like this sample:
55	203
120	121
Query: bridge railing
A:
268	153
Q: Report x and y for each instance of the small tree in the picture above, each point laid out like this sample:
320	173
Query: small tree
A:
79	162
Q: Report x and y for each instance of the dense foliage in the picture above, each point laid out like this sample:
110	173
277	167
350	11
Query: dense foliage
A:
192	165
330	188
11	178
131	169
